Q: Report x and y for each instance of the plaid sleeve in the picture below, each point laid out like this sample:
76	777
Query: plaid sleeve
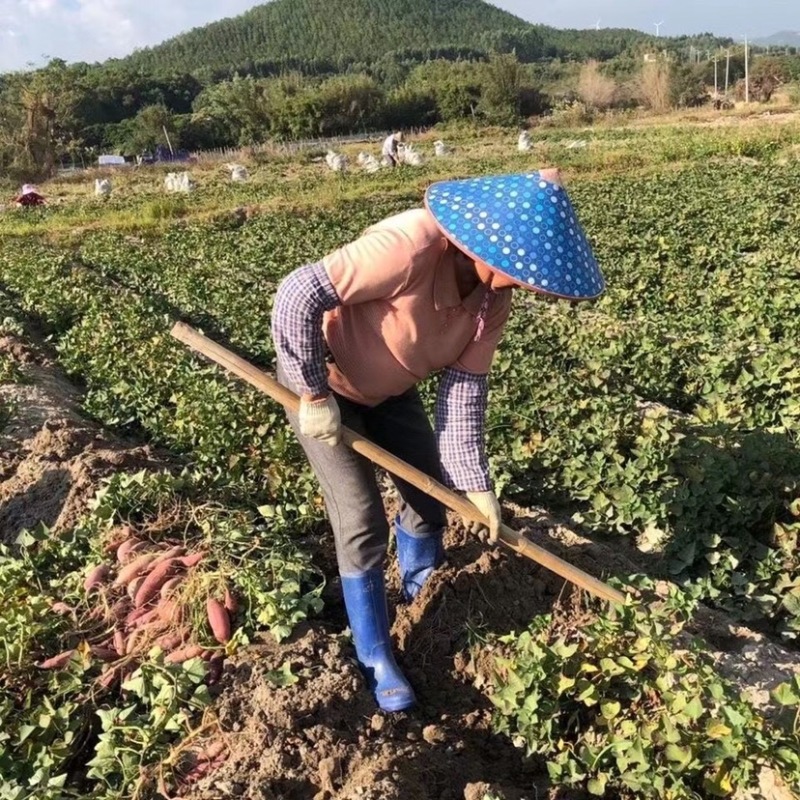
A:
460	427
300	302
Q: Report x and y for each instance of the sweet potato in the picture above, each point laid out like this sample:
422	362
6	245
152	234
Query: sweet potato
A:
96	577
171	640
111	676
135	569
133	586
170	586
167	610
57	662
219	620
133	640
212	752
140	616
215	665
61	608
184	654
124	550
119	641
231	603
104	653
121	609
192	560
155	579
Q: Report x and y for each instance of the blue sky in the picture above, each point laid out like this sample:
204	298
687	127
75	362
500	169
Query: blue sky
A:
91	30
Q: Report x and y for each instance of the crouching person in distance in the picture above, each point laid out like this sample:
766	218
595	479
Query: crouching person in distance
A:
423	291
391	148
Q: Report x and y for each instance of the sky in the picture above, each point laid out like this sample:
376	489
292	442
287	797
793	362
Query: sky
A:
93	30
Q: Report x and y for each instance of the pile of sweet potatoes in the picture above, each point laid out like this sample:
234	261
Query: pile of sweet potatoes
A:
136	599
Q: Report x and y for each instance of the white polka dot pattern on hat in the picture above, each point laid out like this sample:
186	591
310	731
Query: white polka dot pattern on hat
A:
520	225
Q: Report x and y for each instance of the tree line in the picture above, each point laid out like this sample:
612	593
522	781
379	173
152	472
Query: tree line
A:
65	113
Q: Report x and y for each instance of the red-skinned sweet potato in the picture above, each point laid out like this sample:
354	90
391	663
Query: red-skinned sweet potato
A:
155	579
170	586
133	570
192	560
184	654
231	603
219	620
57	662
96	577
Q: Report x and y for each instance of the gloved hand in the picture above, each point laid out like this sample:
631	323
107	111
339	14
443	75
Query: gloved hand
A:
488	504
321	419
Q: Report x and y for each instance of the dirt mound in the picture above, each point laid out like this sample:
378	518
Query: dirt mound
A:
323	736
51	458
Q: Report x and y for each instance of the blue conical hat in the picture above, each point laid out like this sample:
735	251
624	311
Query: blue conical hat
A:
523	226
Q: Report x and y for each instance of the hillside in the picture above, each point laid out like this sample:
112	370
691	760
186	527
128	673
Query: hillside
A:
328	30
781	39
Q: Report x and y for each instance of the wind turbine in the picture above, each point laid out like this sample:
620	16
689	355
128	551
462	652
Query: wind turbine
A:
658	27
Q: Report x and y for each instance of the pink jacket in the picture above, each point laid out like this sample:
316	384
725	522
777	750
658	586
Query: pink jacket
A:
402	317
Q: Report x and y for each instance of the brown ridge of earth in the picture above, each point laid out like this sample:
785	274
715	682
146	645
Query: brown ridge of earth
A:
51	457
322	737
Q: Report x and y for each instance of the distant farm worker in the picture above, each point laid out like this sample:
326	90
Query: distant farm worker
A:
28	197
391	147
425	291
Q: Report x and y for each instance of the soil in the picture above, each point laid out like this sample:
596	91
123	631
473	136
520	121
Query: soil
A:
52	459
322	737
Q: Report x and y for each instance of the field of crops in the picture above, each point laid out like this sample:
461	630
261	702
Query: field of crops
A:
659	426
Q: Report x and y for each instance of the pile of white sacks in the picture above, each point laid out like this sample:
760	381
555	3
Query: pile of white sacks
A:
368	162
336	161
102	187
239	173
179	182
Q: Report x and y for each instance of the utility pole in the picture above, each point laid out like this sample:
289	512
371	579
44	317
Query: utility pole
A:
746	72
716	82
727	72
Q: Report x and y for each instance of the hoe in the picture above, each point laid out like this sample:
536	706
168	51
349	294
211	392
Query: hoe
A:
510	538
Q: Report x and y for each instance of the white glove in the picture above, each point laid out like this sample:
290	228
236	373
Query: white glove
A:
488	504
321	420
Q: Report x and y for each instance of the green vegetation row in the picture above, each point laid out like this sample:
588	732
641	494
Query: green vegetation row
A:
625	705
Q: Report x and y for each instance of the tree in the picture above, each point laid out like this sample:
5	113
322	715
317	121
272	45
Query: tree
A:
38	123
595	89
500	95
153	126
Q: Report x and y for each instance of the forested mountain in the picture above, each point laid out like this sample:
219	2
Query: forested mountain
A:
327	29
781	39
343	32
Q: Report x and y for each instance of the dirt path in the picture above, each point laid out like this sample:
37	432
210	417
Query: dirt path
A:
51	458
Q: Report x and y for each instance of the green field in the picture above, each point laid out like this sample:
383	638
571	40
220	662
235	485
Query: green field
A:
662	421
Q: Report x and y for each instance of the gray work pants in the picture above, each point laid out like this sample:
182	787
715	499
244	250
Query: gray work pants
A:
349	486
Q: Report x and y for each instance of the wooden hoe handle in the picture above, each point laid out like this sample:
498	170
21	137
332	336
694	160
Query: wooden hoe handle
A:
269	386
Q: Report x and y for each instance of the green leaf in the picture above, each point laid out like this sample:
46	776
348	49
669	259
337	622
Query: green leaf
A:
679	755
785	695
283	676
717	730
610	710
597	786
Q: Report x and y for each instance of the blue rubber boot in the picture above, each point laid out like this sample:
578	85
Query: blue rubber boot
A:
365	600
418	556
